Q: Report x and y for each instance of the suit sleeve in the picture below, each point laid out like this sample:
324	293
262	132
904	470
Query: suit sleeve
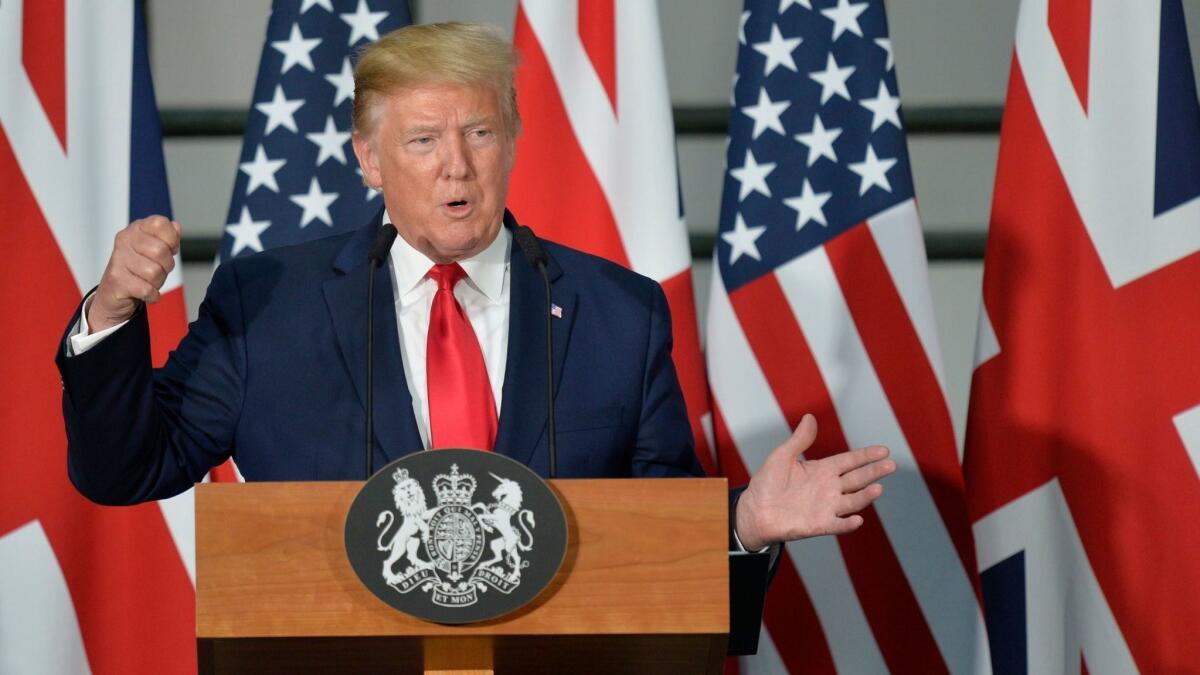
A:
136	434
664	445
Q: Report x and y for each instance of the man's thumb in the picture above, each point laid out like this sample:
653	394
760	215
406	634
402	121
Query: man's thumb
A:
801	440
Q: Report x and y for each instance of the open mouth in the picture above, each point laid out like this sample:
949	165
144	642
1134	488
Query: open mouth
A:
456	204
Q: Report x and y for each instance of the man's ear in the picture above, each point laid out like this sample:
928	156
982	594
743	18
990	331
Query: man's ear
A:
368	161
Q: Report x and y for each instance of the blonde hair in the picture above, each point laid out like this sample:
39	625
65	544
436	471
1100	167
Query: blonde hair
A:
438	53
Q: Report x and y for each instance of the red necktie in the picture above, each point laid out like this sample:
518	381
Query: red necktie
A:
462	413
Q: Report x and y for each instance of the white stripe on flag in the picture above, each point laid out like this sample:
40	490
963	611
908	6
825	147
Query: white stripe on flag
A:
39	632
897	233
646	199
1187	424
987	345
908	513
757	426
180	513
767	661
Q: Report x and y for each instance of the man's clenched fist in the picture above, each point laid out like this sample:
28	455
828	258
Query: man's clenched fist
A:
142	257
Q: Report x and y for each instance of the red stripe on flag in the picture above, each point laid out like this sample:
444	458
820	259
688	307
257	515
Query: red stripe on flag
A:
597	31
44	55
224	473
781	348
168	325
789	613
575	212
1071	27
907	378
131	593
689	361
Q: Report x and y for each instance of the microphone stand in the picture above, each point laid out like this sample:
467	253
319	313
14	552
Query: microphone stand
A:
383	244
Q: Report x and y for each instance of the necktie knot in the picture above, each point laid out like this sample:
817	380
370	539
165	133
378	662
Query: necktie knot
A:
447	276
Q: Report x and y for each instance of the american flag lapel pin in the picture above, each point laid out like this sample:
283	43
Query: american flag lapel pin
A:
555	311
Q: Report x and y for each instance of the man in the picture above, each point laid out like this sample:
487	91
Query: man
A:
272	371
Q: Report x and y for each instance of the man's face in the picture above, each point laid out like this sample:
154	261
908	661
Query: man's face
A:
441	155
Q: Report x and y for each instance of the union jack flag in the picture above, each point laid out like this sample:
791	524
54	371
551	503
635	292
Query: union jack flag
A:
1083	439
820	303
83	588
298	178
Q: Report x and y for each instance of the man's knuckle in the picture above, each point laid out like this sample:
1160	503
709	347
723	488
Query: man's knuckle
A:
157	248
150	271
151	224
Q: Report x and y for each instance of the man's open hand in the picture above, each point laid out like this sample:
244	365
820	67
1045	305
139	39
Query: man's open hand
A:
790	498
143	255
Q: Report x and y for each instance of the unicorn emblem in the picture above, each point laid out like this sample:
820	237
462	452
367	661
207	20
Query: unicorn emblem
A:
499	516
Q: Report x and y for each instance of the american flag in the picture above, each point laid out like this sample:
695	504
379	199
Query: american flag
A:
83	588
820	303
1083	439
298	178
599	137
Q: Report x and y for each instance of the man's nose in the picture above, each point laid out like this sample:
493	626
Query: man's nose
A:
456	158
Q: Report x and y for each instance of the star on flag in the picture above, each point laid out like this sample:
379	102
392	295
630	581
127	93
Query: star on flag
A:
296	164
752	176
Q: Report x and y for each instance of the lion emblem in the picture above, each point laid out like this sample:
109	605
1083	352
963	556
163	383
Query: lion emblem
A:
413	528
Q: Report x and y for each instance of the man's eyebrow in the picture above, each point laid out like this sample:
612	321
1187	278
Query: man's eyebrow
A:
476	121
419	129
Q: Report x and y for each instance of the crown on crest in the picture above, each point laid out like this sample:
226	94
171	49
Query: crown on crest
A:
455	488
400	475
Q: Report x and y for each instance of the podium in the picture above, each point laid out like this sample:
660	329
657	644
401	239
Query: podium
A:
644	587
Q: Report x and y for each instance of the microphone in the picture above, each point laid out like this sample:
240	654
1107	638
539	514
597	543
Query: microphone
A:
383	244
379	251
537	257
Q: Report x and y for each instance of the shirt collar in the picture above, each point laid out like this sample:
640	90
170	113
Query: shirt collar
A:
486	269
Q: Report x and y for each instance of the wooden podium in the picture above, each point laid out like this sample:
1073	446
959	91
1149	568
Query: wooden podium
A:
644	587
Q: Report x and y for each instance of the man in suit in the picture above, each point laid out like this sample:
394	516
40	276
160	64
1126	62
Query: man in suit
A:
272	373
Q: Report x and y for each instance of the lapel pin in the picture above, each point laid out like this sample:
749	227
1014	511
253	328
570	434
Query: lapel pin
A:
555	311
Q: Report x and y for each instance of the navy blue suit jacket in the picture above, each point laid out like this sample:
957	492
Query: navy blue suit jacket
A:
273	373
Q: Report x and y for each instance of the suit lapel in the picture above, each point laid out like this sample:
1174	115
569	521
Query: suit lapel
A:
523	411
346	299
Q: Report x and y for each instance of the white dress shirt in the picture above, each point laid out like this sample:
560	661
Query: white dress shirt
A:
484	296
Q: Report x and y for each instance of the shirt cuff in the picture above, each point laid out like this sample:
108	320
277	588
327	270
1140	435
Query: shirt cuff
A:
742	549
81	341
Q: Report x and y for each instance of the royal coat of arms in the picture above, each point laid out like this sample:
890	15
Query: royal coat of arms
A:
448	536
459	548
